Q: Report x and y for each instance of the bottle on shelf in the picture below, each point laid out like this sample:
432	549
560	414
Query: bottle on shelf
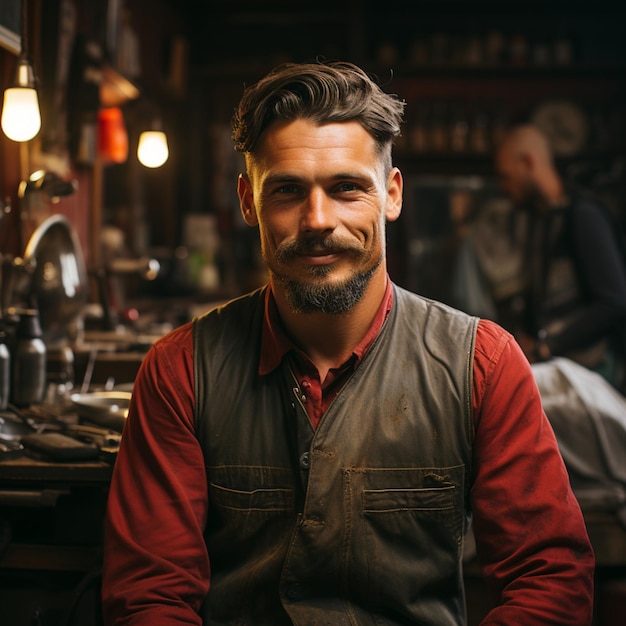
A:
479	140
29	360
419	141
459	129
439	135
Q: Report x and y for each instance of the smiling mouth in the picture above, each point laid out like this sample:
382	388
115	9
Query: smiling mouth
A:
318	257
314	247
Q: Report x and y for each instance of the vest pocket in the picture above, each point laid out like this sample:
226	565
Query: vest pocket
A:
407	528
261	500
246	499
397	500
423	515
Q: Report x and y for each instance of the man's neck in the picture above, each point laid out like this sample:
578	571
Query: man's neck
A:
329	340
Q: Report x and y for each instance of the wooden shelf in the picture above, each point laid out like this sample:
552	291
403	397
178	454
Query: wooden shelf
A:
53	558
528	71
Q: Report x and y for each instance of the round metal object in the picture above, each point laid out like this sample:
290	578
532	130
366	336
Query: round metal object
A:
104	408
59	283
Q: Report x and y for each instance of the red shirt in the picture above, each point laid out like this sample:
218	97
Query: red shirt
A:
529	529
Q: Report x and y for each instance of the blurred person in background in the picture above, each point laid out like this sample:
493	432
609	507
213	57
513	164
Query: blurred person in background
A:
575	300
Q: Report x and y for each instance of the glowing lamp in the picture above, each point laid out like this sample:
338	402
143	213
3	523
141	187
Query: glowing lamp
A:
152	150
21	119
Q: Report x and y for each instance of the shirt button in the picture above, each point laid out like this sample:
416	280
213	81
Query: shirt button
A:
304	461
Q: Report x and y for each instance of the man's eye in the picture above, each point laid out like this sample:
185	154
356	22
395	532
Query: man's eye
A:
284	189
345	187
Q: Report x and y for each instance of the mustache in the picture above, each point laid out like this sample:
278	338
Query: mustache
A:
314	245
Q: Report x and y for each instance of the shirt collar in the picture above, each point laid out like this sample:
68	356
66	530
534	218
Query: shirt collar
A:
275	343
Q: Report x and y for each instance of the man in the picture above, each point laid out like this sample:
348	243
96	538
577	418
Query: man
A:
576	301
312	453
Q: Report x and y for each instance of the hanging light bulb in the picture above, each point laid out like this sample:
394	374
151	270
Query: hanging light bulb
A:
21	119
152	150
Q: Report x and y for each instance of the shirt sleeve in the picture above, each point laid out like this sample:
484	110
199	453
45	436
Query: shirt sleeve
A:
156	567
530	533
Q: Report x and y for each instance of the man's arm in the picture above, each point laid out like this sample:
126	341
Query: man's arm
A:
602	268
530	533
156	567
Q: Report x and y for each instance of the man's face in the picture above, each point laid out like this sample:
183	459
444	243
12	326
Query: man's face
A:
320	197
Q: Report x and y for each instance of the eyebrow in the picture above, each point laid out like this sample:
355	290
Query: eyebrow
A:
278	178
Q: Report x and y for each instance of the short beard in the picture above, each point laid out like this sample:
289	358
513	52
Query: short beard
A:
334	299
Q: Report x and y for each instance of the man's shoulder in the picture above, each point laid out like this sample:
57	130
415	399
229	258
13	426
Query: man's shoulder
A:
430	307
182	335
585	204
235	306
236	322
435	323
491	338
589	214
176	335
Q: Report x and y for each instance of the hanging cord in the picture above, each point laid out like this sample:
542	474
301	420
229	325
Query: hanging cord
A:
24	30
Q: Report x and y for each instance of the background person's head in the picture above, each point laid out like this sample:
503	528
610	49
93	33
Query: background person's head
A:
525	166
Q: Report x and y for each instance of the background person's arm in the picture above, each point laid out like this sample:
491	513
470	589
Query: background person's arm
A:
602	271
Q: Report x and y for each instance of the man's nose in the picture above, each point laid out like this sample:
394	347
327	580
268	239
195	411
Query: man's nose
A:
318	212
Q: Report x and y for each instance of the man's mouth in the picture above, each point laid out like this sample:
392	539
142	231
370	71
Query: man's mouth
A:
320	257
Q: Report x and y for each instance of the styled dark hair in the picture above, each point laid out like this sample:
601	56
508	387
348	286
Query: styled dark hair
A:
323	93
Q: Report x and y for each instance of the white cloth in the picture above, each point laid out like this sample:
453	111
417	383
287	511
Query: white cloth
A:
588	416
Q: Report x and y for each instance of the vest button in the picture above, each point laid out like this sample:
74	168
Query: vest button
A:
294	591
304	461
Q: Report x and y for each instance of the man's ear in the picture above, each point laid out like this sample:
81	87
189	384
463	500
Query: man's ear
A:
394	195
246	200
